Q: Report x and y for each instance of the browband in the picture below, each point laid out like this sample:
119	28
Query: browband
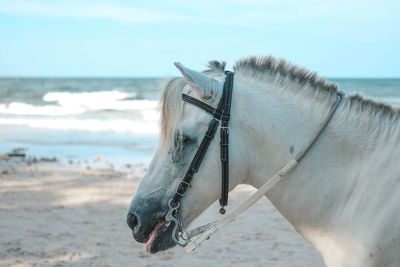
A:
200	104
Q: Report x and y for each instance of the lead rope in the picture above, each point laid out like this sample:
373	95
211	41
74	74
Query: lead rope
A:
206	232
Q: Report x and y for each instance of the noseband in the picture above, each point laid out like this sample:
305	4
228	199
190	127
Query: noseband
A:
222	114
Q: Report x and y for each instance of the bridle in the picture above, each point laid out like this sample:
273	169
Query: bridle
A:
222	114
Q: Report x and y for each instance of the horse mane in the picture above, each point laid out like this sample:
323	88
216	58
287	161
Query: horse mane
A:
278	70
268	69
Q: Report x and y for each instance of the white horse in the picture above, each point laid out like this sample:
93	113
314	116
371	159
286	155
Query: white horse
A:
344	197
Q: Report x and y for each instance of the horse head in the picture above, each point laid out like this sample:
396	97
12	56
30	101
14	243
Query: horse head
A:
182	130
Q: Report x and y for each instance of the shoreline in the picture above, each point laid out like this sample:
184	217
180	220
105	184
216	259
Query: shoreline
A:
78	146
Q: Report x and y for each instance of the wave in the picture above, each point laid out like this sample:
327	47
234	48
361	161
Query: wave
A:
68	98
67	103
147	127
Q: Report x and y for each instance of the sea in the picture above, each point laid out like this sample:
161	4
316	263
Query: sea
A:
88	120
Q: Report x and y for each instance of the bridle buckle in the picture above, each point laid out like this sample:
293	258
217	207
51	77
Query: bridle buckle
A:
186	186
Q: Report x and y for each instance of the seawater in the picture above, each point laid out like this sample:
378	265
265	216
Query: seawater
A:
112	119
80	119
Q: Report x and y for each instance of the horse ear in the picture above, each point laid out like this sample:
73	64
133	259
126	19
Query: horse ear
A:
206	86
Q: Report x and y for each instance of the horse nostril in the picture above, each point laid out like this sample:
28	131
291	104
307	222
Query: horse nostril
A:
131	220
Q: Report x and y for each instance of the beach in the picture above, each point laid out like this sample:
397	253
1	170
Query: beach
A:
72	154
55	214
91	102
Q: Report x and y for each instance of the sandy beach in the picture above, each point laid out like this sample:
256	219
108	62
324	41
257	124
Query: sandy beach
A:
74	215
65	203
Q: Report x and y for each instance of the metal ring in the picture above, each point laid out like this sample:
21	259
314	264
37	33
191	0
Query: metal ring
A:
171	207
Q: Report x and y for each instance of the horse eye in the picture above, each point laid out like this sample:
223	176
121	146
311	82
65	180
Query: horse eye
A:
181	140
185	139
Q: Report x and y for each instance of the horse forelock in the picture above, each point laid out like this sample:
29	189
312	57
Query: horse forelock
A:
171	106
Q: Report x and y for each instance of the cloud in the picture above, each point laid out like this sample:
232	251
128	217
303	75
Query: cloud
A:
114	11
106	11
246	13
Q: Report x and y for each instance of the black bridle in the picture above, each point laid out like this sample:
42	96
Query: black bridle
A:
220	114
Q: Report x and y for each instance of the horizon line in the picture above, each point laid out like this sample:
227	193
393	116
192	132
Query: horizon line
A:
170	76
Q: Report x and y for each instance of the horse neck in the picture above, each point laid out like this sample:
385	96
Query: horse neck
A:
335	178
278	123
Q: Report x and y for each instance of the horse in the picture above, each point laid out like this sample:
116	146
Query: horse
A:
344	197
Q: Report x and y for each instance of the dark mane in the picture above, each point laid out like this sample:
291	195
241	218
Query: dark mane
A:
269	65
216	66
260	67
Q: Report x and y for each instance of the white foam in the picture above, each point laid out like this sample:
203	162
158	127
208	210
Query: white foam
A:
112	100
85	97
18	108
118	125
78	103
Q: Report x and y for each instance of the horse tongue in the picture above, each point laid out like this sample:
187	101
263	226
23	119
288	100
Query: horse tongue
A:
154	233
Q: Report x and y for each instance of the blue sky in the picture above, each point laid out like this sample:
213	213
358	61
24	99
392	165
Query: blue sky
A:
143	38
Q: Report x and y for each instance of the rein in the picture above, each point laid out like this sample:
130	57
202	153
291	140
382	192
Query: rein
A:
222	114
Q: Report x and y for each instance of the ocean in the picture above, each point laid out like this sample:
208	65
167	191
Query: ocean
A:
100	119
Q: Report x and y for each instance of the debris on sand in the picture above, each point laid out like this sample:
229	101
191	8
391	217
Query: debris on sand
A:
18	155
19	152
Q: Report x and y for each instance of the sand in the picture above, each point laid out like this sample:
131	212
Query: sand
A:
70	215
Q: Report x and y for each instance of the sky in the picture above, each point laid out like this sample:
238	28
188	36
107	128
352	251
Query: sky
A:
143	38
